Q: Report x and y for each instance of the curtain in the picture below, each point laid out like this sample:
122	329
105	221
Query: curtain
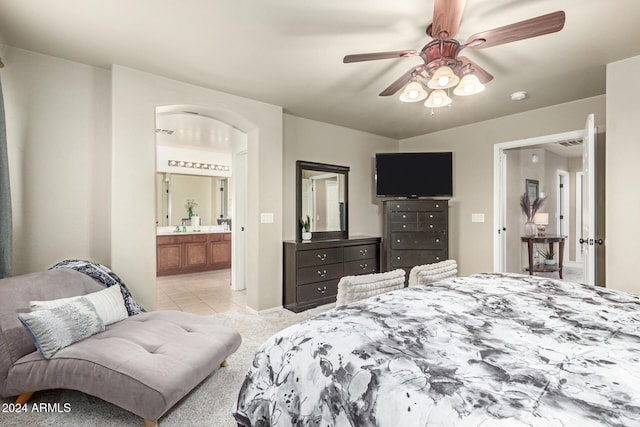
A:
5	198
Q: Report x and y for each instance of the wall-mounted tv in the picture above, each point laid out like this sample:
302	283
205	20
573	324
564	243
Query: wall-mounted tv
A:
414	174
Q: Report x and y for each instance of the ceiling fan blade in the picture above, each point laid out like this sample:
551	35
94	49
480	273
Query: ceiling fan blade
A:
545	24
447	15
480	72
379	55
403	80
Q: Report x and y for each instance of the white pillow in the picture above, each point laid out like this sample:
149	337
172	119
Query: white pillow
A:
109	304
356	288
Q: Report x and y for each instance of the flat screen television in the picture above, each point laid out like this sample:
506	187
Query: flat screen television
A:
414	174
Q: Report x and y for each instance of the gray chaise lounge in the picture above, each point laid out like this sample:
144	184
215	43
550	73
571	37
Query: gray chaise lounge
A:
144	363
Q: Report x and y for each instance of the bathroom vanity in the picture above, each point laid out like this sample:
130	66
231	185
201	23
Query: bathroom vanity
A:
190	252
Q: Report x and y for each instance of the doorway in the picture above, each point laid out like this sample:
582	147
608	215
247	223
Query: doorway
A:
205	151
541	159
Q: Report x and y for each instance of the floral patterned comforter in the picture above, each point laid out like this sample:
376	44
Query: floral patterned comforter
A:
485	350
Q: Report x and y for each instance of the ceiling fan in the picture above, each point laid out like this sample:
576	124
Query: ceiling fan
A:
442	64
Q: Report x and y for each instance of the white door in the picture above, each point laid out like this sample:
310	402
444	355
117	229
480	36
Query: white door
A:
588	238
239	222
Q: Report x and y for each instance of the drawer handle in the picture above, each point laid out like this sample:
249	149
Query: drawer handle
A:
322	273
398	240
363	266
404	216
322	257
437	258
431	216
437	240
437	206
397	206
322	290
363	252
398	258
404	225
430	225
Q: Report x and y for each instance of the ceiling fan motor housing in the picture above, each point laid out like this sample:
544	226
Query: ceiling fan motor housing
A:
439	53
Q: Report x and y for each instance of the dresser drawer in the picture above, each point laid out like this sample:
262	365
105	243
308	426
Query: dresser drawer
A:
353	253
316	291
319	273
365	266
417	205
431	227
418	241
404	226
319	257
432	217
404	217
413	258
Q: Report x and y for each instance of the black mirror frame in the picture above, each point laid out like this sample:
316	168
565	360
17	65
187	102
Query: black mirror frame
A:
322	167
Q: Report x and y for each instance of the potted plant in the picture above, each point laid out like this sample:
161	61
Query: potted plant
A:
547	255
189	207
529	209
306	228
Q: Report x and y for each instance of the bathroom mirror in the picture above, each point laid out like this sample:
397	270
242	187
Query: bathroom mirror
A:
209	192
322	193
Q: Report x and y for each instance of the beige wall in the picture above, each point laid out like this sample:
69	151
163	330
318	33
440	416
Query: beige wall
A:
472	243
623	175
69	126
319	142
59	142
135	96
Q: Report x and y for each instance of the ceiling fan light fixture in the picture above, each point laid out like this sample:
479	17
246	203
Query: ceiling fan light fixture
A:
469	85
413	92
437	99
443	78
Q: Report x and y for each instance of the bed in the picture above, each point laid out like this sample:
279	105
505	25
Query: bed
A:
484	350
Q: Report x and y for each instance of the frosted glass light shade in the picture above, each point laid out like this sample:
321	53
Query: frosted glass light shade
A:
413	92
443	78
437	99
469	85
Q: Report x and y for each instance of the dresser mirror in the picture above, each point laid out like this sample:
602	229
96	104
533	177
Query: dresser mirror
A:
322	194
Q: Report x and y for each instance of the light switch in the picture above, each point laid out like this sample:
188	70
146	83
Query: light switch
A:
477	217
266	218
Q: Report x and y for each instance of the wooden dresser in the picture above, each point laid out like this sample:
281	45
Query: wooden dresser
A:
313	269
415	233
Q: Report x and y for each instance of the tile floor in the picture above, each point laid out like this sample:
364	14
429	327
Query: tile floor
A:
203	293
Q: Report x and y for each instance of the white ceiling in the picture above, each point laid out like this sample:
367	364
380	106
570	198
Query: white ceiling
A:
193	131
289	52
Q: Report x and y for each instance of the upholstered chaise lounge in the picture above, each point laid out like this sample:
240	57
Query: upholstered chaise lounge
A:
144	363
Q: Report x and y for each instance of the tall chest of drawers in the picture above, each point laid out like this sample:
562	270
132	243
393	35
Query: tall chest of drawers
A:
313	269
415	233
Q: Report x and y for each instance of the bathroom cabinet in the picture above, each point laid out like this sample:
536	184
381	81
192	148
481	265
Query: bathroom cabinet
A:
194	252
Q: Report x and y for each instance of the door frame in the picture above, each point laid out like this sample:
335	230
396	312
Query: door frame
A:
563	200
579	246
499	185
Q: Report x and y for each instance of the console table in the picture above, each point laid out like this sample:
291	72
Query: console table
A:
550	239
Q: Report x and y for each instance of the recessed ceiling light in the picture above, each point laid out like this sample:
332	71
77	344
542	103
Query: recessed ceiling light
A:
518	96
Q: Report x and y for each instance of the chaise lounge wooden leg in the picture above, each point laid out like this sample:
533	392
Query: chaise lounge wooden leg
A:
148	423
24	398
224	364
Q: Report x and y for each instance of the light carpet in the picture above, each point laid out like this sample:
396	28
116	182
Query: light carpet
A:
209	404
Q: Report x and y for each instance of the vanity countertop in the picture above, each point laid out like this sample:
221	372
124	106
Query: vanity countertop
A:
170	231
